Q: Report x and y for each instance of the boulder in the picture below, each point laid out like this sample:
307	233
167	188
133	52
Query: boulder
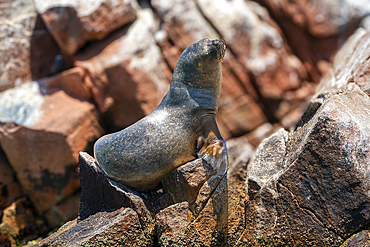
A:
73	23
41	136
18	19
129	75
316	30
172	222
313	191
100	193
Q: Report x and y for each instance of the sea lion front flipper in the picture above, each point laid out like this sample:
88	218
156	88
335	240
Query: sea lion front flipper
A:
212	148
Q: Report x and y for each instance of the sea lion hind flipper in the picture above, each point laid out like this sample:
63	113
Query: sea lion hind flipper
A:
212	149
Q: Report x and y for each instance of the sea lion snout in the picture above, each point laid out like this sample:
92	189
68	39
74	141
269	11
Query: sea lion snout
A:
220	45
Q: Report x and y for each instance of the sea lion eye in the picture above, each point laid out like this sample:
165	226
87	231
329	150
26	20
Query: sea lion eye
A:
207	55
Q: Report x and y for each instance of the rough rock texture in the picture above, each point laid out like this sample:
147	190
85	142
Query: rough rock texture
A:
118	228
350	64
17	22
129	76
309	187
312	189
73	23
42	123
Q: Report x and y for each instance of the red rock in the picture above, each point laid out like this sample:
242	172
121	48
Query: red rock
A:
172	223
315	30
129	75
43	51
43	151
73	23
10	189
64	210
16	25
19	219
185	182
118	228
75	82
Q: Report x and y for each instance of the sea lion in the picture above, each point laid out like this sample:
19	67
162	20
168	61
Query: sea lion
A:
181	128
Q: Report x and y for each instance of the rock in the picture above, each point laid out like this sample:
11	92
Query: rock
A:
129	74
185	182
206	197
360	239
316	30
314	191
118	228
63	210
19	221
100	193
211	212
10	189
240	153
75	82
108	202
172	223
73	23
350	64
43	51
41	136
17	22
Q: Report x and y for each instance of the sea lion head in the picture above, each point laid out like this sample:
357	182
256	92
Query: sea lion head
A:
199	65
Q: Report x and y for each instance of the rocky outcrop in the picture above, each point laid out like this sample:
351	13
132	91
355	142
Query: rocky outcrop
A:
37	123
309	187
316	29
180	219
112	60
